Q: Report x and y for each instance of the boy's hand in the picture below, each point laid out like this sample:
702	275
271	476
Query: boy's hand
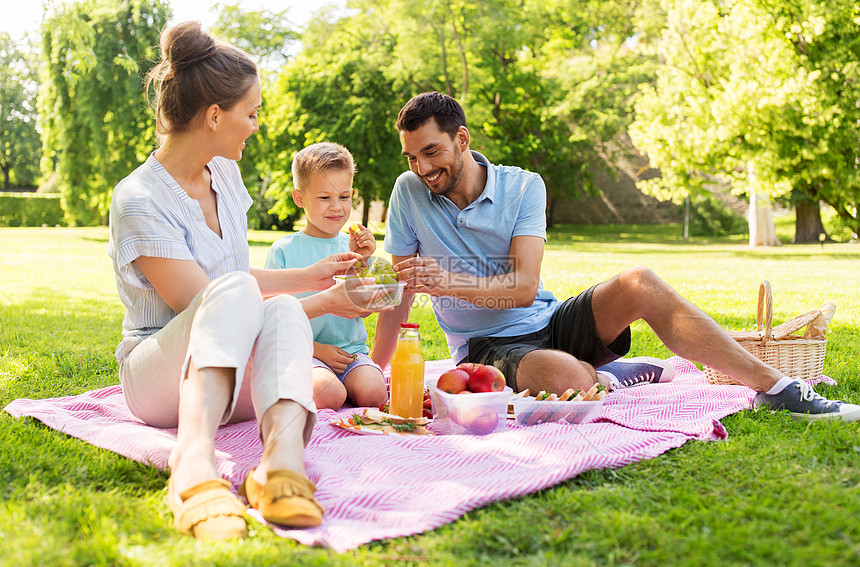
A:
335	358
361	241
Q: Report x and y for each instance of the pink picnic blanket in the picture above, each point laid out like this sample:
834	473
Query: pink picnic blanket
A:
382	486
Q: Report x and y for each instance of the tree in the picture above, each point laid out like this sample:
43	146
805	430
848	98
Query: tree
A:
269	38
761	90
506	62
336	90
678	119
20	146
597	55
266	35
513	101
544	86
818	137
96	124
807	210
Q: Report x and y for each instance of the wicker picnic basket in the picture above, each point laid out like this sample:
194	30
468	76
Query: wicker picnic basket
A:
793	355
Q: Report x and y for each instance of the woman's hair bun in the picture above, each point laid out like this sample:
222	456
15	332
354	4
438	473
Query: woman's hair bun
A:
195	72
186	44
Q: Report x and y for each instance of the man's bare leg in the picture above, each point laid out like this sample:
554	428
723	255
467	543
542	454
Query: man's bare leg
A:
685	329
638	293
554	371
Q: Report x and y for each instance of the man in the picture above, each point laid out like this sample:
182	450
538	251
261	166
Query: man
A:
471	235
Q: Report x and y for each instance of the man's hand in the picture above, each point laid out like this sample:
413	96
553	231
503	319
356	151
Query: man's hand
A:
423	275
362	241
515	288
335	358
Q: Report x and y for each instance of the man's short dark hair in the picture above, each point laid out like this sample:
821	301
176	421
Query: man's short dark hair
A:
444	109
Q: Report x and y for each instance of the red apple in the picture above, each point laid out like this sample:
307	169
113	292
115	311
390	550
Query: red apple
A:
486	378
453	382
469	367
485	423
477	419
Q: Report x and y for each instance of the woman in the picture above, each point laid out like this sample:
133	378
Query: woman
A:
201	347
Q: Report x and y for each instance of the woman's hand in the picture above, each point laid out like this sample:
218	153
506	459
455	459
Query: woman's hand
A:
321	275
346	299
335	358
362	241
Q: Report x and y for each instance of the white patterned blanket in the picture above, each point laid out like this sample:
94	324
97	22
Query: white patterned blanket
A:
382	486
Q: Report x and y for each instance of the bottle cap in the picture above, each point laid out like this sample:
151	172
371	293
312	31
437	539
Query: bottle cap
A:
409	325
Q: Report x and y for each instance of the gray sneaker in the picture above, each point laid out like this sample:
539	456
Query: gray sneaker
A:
803	403
627	372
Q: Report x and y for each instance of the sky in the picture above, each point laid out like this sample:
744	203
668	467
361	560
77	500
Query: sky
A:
26	15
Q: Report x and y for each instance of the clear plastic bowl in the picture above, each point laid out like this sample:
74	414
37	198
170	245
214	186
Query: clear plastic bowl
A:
384	295
469	414
530	412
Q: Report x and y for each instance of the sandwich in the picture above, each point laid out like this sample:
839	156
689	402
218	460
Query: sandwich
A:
389	423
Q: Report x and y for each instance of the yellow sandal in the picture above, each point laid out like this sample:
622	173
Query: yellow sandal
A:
208	510
286	499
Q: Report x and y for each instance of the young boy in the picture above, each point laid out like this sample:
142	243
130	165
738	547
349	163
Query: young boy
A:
322	176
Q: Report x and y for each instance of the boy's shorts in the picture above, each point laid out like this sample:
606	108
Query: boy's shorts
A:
571	329
360	360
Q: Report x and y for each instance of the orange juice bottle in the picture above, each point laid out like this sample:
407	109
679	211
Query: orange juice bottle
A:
407	373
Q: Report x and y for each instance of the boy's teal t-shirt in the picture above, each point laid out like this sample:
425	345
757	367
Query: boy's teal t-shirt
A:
300	251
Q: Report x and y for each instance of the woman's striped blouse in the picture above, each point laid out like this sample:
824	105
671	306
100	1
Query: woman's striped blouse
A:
151	215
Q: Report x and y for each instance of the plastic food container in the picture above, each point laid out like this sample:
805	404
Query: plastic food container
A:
384	295
469	414
527	411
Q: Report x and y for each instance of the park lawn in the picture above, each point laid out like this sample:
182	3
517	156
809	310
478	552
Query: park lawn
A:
774	493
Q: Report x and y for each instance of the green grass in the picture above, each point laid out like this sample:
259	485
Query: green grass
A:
775	493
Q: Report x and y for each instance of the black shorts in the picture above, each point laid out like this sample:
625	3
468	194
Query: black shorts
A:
571	329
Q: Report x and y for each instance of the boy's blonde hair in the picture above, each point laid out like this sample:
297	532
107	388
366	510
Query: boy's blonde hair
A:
320	157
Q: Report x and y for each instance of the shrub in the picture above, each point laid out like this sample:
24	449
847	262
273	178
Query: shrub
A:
259	217
709	216
28	209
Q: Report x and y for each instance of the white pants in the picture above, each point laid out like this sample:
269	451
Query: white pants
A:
227	325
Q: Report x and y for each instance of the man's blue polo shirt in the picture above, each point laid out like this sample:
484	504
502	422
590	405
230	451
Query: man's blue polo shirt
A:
475	241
